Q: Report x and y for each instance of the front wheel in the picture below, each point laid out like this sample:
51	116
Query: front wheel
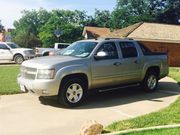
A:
18	59
72	92
150	82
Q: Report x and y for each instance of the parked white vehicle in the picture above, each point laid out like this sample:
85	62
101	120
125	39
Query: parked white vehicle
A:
50	51
10	51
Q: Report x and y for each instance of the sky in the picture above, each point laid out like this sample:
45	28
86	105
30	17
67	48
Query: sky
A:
11	9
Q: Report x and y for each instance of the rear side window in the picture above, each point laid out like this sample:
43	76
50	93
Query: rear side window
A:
128	49
145	50
3	46
62	46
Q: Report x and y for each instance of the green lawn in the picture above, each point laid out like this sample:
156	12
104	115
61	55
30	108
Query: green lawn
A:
169	115
175	73
8	80
171	131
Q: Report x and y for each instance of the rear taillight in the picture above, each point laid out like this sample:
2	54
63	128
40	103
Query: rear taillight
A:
37	51
51	53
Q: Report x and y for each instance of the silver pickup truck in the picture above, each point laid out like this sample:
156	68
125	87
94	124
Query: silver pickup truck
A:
93	64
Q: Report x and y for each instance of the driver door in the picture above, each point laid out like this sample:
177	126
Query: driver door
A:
105	71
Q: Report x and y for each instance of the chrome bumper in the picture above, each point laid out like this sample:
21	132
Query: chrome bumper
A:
39	87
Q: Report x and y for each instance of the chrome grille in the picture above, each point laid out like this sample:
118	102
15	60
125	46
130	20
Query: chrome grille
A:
28	73
31	52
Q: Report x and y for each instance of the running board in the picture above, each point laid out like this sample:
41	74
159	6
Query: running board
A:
120	87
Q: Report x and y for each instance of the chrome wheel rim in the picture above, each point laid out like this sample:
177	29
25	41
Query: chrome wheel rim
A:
151	82
19	60
74	93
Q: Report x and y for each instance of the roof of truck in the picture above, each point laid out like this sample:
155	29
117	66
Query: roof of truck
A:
106	39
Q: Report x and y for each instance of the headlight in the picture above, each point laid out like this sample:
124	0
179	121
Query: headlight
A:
45	73
26	52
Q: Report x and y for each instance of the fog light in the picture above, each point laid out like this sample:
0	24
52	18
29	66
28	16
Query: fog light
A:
45	92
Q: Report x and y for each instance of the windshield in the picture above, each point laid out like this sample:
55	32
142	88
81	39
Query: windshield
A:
13	45
79	49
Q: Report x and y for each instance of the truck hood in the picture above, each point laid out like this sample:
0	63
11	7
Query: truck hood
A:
48	61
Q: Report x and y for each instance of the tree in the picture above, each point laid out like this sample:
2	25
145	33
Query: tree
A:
38	26
102	18
70	22
171	14
128	12
28	26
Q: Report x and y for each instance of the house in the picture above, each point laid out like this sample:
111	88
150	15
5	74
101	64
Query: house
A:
95	32
157	37
2	37
5	35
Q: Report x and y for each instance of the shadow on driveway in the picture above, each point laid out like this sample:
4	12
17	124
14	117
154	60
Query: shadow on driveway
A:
120	97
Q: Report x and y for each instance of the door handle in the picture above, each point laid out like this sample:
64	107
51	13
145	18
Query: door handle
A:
117	64
136	61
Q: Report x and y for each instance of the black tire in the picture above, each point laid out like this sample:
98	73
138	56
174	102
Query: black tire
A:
64	98
18	59
150	81
46	54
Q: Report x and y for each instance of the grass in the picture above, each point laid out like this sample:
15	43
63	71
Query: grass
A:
175	73
170	131
167	116
8	80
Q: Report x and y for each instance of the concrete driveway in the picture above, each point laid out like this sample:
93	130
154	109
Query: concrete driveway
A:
26	114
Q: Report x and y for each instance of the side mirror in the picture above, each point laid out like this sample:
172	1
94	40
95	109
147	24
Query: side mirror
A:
100	55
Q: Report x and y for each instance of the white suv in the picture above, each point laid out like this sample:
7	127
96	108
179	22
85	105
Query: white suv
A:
10	51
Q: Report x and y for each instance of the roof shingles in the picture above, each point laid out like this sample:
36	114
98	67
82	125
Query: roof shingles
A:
154	31
96	31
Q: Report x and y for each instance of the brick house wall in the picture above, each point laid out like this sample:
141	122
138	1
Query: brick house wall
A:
173	50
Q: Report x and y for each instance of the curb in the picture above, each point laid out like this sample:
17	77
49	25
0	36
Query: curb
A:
9	65
143	129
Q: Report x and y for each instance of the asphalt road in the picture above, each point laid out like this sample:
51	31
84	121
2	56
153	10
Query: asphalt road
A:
26	114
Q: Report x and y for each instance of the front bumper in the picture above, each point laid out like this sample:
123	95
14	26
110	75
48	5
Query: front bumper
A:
38	55
27	57
39	87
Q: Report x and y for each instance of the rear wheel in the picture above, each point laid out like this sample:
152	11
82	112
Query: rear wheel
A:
46	54
150	82
18	59
72	92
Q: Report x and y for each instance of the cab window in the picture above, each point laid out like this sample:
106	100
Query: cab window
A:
128	49
110	49
3	46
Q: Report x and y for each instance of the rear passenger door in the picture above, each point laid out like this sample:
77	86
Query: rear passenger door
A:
131	62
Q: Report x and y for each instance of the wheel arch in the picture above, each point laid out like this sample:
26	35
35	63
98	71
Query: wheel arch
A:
16	55
155	69
46	53
81	76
